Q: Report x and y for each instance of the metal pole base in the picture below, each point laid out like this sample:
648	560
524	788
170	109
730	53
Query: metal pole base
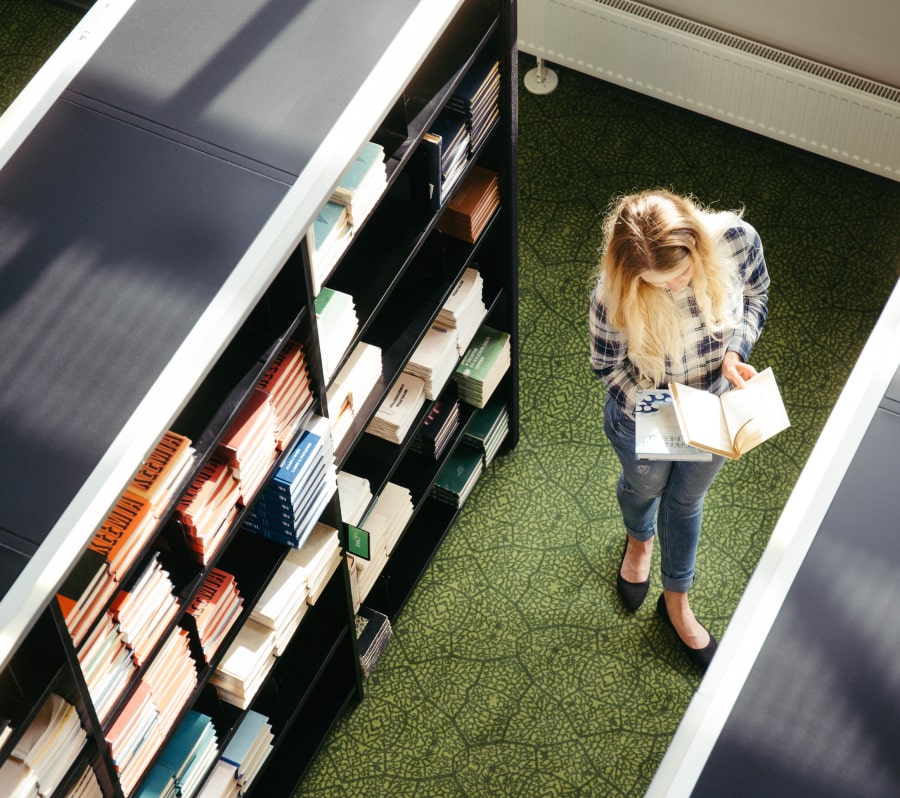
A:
540	80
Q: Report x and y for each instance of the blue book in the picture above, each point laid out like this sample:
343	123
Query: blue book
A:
251	729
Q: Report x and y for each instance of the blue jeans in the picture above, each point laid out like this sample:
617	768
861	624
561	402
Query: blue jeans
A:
661	496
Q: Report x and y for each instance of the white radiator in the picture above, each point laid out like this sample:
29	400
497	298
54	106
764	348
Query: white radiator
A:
792	99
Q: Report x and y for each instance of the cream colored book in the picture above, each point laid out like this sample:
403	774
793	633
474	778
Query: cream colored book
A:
735	422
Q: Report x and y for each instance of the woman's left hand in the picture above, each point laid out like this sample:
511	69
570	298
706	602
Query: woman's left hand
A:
735	370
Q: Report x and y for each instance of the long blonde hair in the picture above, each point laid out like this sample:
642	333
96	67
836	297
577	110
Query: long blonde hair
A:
656	231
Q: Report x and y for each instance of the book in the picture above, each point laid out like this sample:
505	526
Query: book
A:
163	470
657	432
482	367
373	631
735	422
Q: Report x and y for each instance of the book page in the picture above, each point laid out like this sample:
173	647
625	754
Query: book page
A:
755	412
701	419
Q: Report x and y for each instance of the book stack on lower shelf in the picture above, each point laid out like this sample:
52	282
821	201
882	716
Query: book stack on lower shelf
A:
478	98
488	429
482	367
458	476
293	499
472	206
446	152
464	310
337	323
400	408
355	496
437	429
351	387
185	761
373	631
208	508
241	760
215	609
434	359
45	752
384	523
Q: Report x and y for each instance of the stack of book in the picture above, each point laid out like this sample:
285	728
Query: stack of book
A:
282	605
144	608
434	359
464	309
326	239
100	570
385	523
487	429
373	631
293	499
171	677
286	382
482	367
214	609
245	664
446	152
319	558
208	507
399	410
478	98
362	185
184	762
45	751
242	758
161	474
472	206
437	429
337	323
135	737
458	476
250	446
85	785
106	664
352	386
355	496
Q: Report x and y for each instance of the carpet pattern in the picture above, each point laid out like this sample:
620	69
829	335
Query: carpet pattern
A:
513	671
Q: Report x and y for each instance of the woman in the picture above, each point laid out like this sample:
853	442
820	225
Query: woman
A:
680	296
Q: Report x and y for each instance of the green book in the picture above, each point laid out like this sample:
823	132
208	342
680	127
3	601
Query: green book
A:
456	476
483	353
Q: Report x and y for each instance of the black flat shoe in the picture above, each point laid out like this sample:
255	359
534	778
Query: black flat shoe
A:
699	656
632	594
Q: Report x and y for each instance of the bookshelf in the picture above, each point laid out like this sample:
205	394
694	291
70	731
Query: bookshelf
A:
159	209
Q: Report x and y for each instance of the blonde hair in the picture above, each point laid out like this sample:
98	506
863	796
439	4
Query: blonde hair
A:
656	231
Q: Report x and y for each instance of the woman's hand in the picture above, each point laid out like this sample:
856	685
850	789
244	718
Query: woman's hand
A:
735	370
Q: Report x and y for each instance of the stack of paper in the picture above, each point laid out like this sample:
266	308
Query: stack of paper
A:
106	664
373	631
352	386
437	429
337	324
446	153
483	366
294	498
472	206
248	749
320	558
355	496
283	604
458	476
286	382
362	185
385	523
185	760
162	472
172	677
144	609
135	737
399	409
487	429
245	664
45	751
327	238
85	785
250	445
464	309
478	97
208	507
215	609
434	359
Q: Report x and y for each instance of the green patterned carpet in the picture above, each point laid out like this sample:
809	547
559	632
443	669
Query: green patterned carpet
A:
512	670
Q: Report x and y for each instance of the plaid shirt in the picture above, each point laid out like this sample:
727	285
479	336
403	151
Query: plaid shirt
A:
701	364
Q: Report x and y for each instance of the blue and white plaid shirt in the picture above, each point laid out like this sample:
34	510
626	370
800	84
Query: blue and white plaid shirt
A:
701	364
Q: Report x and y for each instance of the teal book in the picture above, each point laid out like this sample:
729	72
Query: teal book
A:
372	155
329	222
458	473
252	729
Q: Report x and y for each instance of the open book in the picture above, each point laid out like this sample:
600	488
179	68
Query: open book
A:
735	422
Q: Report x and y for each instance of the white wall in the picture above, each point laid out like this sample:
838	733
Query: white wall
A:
859	36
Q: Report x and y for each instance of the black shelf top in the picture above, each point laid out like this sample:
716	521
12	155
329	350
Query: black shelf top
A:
262	82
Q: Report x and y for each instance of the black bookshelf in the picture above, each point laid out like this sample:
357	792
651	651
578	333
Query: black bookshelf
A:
159	208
